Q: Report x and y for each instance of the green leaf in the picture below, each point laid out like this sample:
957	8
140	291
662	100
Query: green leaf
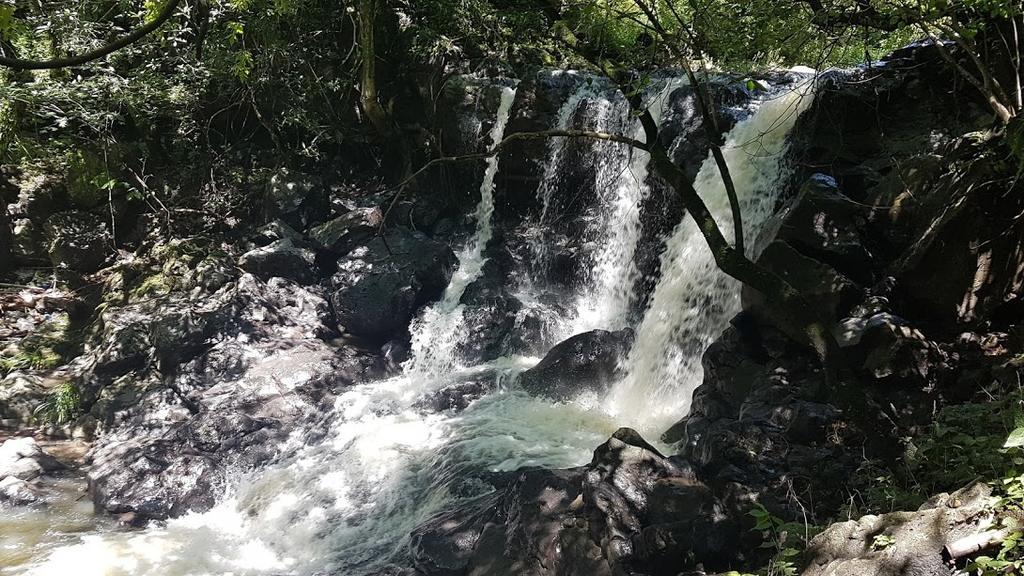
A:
1015	439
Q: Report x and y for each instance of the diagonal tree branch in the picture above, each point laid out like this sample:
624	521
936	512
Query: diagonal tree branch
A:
21	64
606	136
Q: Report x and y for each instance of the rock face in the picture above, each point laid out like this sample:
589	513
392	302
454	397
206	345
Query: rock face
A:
380	284
22	462
587	361
917	538
630	510
244	363
77	241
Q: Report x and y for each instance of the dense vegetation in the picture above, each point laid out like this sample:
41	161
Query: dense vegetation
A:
227	88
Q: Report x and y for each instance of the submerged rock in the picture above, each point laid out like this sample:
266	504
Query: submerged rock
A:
585	362
613	516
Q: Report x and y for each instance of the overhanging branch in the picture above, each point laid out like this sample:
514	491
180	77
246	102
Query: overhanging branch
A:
606	136
21	64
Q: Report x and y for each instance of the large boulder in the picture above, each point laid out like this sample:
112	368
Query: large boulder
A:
348	230
380	284
77	240
961	226
282	258
585	362
824	288
23	459
631	510
23	465
824	224
915	542
246	367
20	394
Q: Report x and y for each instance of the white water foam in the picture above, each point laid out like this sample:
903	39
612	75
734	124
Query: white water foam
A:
609	288
694	300
438	332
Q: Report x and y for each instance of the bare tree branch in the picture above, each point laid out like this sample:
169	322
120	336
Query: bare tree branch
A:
606	136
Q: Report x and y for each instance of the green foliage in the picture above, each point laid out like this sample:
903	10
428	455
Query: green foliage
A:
62	406
786	540
45	348
882	541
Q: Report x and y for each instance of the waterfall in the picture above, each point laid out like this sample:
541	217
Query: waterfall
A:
694	300
609	288
344	494
436	335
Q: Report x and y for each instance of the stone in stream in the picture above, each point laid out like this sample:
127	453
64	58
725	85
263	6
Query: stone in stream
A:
585	362
22	463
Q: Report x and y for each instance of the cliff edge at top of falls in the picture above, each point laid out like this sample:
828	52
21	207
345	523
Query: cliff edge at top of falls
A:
185	359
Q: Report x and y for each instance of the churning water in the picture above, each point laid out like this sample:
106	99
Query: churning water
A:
345	503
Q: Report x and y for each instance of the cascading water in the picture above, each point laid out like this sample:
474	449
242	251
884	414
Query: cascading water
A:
437	334
605	290
346	493
694	300
609	287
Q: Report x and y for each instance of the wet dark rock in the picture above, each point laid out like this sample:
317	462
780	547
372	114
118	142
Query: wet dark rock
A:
824	288
585	362
283	259
824	224
458	396
890	349
348	230
243	366
494	317
588	520
379	285
77	240
961	228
